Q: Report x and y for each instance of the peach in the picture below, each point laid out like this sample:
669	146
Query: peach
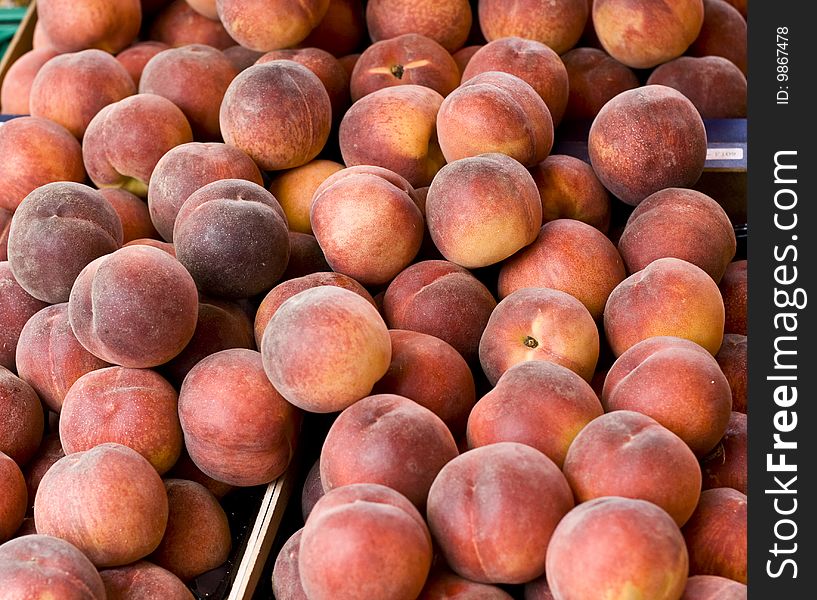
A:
441	299
733	290
539	324
125	140
248	22
726	464
538	403
668	297
206	8
197	537
677	383
430	372
164	246
295	188
133	212
406	59
36	152
278	113
108	501
645	34
49	356
654	564
285	290
716	535
495	112
533	62
628	454
679	223
178	25
136	307
16	86
72	26
394	128
732	359
42	565
445	585
241	57
137	408
326	67
185	169
447	22
570	256
49	452
740	5
40	38
22	429
70	89
341	30
538	589
5	223
481	210
14	501
286	579
569	189
314	329
594	79
237	427
143	580
696	78
348	62
558	24
18	306
57	230
185	468
712	587
337	559
367	223
464	55
663	145
492	511
135	57
195	78
723	33
372	440
312	489
231	235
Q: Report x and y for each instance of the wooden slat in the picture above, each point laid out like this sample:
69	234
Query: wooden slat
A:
22	40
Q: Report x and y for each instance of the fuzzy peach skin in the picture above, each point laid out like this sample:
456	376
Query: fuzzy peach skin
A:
645	34
441	299
447	22
279	113
56	231
248	22
732	359
137	408
295	188
539	324
178	25
108	501
394	128
618	548
557	23
406	59
5	223
17	306
337	346
22	430
286	289
464	55
49	356
125	140
14	501
195	78
677	383
72	26
185	468
538	589
16	87
570	256
338	560
286	578
533	62
241	57
136	56
492	511
70	89
49	452
594	78
538	403
367	223
136	307
38	566
342	29
237	428
35	152
312	490
726	464
495	112
733	287
723	33
481	210
305	256
206	8
143	579
443	584
716	535
134	213
185	169
712	587
668	297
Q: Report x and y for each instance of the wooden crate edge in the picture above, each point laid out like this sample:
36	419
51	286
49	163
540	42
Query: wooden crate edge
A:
22	40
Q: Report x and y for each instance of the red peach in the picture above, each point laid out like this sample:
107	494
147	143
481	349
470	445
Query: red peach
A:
447	22
248	22
16	87
179	25
559	23
72	26
136	56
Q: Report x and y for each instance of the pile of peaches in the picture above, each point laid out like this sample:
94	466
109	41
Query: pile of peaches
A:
217	216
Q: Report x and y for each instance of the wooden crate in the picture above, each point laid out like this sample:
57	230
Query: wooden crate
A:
22	40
